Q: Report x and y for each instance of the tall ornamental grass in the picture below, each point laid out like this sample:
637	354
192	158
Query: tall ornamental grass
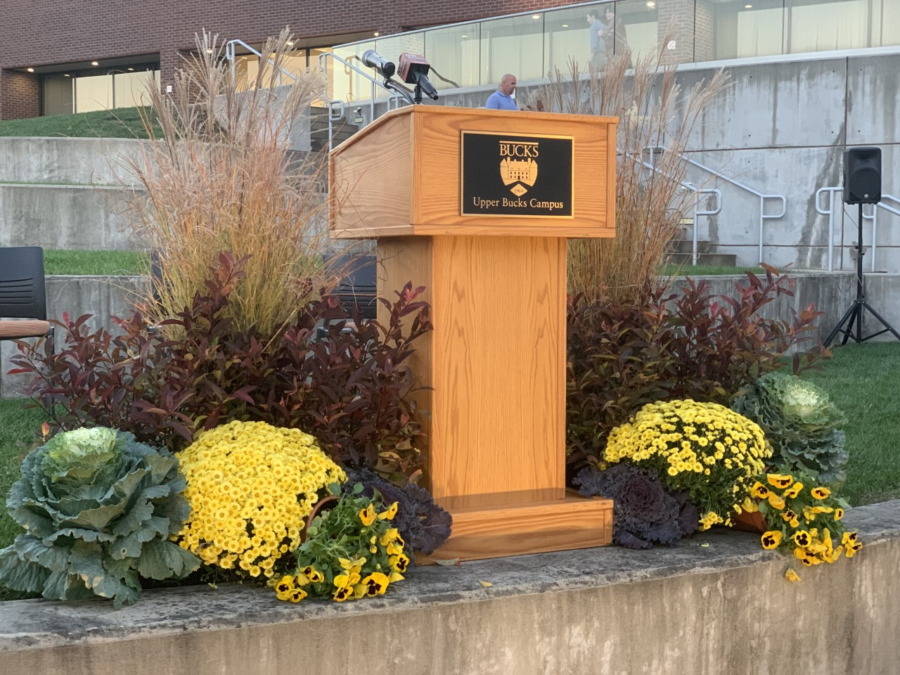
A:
222	177
653	112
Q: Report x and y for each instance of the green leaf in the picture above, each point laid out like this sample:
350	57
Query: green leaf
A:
37	524
164	560
160	466
100	517
86	561
127	485
56	586
19	574
32	549
131	545
131	521
80	533
334	489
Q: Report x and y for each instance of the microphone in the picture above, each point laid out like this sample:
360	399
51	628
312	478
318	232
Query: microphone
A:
371	58
414	70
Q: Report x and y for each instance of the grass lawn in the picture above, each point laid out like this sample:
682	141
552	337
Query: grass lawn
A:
118	123
95	262
706	270
16	426
862	381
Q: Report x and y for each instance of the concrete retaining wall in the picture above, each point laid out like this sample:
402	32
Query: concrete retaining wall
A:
64	217
716	605
102	297
80	161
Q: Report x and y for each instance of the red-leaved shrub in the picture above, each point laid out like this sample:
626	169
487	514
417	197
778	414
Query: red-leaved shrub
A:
688	345
333	374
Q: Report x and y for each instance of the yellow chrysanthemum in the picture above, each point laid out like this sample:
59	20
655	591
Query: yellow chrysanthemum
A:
251	486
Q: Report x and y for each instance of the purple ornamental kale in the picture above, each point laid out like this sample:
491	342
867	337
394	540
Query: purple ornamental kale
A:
423	524
645	513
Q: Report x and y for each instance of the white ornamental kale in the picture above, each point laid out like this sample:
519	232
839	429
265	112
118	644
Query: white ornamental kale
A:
98	509
801	422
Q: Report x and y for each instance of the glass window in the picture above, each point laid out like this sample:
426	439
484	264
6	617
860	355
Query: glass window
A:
93	93
514	45
132	89
739	28
348	85
889	24
640	21
454	53
822	25
391	48
57	95
567	37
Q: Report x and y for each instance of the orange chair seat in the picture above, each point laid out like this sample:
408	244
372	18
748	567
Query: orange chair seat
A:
23	329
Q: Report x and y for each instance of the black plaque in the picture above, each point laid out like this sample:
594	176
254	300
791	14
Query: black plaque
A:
514	175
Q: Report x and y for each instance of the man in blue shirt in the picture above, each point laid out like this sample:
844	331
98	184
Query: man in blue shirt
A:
502	98
598	45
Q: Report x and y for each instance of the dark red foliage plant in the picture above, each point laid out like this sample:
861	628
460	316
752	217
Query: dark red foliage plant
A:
331	373
666	345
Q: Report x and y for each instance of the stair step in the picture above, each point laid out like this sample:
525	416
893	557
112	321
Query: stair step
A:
711	259
686	246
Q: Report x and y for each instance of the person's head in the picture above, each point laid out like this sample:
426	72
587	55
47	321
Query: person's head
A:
507	84
610	14
592	16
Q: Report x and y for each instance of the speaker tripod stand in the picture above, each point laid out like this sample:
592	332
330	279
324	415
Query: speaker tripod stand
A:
855	313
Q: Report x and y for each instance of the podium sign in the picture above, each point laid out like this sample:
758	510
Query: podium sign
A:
430	183
522	176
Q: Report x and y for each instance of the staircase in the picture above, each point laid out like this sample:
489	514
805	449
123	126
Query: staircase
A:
679	251
319	130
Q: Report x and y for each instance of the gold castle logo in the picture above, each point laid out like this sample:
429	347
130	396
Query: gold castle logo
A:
519	165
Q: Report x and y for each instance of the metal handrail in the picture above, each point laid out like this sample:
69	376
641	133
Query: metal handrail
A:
231	56
873	217
697	211
763	216
373	82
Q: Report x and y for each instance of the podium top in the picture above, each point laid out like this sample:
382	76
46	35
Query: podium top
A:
438	170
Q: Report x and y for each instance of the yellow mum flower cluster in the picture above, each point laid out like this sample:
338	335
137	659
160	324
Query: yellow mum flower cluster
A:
804	520
706	449
251	486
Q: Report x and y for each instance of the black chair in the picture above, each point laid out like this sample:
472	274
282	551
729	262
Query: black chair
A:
359	284
22	295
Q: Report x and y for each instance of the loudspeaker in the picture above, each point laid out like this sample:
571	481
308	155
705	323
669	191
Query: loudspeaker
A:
862	175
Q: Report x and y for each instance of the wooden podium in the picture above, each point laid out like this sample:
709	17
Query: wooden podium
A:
476	205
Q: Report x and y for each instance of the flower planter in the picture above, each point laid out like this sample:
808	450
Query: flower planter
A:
321	505
750	522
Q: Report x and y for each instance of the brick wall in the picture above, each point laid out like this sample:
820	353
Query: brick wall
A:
704	27
19	95
37	34
677	16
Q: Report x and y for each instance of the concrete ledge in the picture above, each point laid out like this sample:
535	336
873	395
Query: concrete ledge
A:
716	604
64	160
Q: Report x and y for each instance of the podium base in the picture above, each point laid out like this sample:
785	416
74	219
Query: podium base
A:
499	531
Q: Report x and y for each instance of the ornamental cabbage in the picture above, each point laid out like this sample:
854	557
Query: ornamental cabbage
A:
645	513
801	422
98	509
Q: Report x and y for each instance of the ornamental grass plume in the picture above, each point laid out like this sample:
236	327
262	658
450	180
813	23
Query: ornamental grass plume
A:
222	177
654	112
705	449
251	486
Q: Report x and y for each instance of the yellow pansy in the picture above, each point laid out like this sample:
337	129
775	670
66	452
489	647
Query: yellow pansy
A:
285	585
297	595
314	575
749	505
771	539
390	513
791	575
367	515
820	492
780	481
776	501
802	538
838	513
759	491
399	562
376	584
793	490
343	593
